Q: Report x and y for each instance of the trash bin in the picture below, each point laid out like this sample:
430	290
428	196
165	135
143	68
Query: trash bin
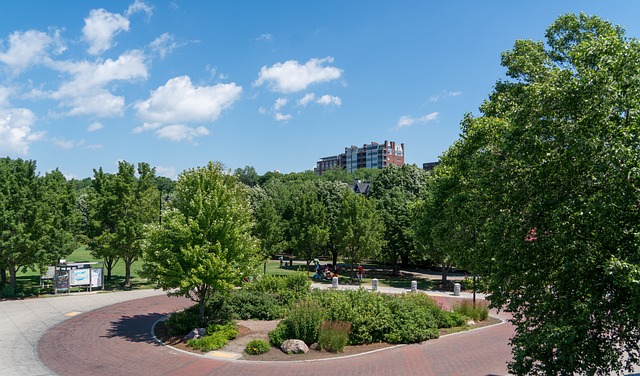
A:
456	289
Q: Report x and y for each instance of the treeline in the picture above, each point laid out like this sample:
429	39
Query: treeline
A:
44	218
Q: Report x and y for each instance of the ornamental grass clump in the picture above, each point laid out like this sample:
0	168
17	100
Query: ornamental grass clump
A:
333	335
479	312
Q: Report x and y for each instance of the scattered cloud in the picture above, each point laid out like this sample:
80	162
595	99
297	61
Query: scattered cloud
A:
164	45
63	144
137	7
95	126
262	111
178	102
308	98
282	117
181	132
15	130
444	94
265	38
329	100
291	76
280	102
26	49
94	146
100	28
407	121
169	172
87	94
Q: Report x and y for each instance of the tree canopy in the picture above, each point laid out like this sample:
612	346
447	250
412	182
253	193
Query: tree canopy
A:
545	188
204	244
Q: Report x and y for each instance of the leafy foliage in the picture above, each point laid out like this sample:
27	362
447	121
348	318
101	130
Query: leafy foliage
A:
257	347
540	195
479	312
203	245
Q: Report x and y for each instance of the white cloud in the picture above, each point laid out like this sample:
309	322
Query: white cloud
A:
291	76
407	121
100	28
95	126
265	38
5	92
178	101
63	144
139	6
262	111
15	130
147	127
308	98
26	49
180	132
86	92
280	102
169	172
329	100
444	94
94	146
164	45
282	117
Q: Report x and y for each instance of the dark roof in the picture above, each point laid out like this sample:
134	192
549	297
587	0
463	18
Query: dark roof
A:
360	187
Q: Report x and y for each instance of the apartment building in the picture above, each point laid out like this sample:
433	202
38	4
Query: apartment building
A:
373	155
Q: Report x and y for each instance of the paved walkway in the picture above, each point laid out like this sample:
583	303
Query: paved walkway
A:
109	334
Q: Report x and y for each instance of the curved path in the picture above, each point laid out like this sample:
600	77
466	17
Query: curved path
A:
116	340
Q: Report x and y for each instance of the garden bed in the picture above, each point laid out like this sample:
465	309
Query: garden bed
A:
255	329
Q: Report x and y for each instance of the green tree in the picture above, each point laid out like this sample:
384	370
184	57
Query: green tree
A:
204	244
552	188
309	228
360	230
247	175
331	194
396	190
268	227
123	205
37	217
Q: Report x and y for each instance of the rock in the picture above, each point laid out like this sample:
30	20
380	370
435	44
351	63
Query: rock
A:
196	333
471	323
294	346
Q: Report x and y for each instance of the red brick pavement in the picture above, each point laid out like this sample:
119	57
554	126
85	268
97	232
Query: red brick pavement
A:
116	340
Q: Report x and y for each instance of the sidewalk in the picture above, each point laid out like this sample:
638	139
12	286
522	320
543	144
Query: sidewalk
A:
396	290
23	322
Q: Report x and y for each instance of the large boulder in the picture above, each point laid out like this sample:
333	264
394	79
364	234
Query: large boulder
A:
196	333
294	346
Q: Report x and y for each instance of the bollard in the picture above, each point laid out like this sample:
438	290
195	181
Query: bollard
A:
374	284
334	282
456	289
414	286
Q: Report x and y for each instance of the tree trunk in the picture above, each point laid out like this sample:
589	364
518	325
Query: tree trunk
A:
201	306
12	275
394	265
445	273
351	272
3	276
405	260
127	272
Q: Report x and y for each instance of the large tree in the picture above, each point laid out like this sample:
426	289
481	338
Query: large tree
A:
204	244
123	204
360	229
554	187
309	227
37	217
396	190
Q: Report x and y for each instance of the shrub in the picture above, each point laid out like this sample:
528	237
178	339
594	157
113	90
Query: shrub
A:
287	290
257	347
211	342
181	323
245	305
413	319
448	319
333	335
465	307
278	335
227	330
303	322
368	313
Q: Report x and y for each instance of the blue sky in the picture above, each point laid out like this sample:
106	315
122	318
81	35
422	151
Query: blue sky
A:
271	84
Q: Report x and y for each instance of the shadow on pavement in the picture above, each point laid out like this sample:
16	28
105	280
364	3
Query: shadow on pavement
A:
135	328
